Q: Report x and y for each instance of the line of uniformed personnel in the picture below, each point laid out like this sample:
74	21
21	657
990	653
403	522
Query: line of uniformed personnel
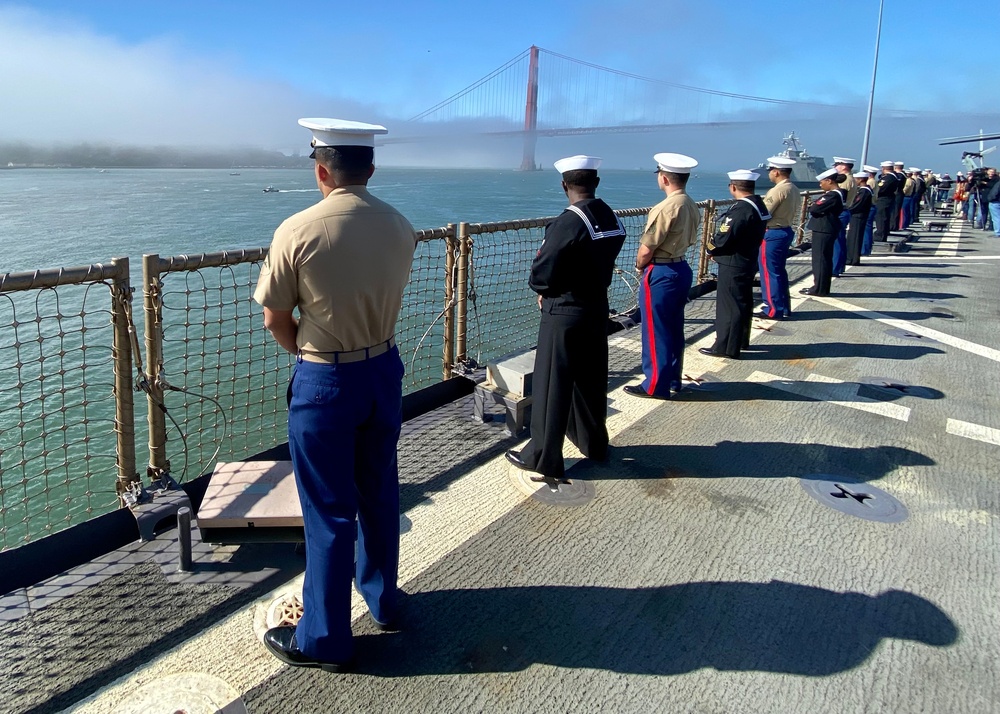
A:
345	396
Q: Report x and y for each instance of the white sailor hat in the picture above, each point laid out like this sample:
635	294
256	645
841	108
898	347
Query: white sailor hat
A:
913	170
898	163
780	162
341	132
862	175
577	163
743	175
674	163
870	169
886	164
826	174
960	174
843	160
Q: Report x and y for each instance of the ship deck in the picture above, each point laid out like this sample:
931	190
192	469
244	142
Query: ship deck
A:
701	576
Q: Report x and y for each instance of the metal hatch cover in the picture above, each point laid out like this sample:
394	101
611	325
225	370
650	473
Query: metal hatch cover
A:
855	499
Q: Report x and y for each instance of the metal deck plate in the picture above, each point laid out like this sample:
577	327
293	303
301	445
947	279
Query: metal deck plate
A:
189	692
573	494
855	499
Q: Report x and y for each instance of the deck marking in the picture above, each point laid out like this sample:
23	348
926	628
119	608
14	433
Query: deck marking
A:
948	248
942	337
832	391
978	432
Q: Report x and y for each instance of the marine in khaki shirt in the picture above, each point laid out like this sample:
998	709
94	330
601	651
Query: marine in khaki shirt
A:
782	201
344	263
672	226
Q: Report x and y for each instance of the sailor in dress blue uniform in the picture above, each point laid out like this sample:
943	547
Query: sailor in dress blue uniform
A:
735	247
571	274
824	222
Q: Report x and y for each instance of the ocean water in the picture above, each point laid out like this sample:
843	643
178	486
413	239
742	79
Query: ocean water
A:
57	446
53	218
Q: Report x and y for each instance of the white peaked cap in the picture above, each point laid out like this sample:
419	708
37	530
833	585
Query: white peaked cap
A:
870	169
743	175
887	164
861	174
898	163
780	162
913	170
577	163
341	132
674	163
842	160
827	174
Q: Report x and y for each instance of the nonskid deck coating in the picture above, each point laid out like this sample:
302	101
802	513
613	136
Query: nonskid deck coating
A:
701	578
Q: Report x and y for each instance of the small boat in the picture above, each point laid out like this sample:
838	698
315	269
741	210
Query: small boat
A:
270	189
234	173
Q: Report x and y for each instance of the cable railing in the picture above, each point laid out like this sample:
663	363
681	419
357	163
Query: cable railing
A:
74	353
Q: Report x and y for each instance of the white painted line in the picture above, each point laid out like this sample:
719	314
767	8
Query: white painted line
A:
948	248
978	432
943	338
832	391
870	260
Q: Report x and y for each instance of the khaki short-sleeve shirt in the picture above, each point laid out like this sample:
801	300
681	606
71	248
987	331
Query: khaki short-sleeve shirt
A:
782	202
851	186
672	226
343	263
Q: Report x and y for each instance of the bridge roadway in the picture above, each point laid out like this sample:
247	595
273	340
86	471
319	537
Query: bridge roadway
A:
701	578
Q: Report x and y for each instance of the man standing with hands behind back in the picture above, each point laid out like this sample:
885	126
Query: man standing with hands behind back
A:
571	274
782	202
735	247
672	227
343	263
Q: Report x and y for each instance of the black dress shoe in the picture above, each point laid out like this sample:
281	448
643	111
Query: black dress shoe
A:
808	291
280	641
514	457
636	391
713	353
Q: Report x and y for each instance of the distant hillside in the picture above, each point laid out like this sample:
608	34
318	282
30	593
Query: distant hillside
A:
135	157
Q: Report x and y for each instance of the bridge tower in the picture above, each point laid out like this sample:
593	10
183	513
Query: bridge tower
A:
531	114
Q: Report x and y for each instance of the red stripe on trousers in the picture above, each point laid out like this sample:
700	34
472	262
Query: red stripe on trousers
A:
767	279
651	332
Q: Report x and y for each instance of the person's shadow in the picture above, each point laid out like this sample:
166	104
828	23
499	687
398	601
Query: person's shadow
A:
731	626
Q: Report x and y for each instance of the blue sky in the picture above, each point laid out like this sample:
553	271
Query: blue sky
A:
201	73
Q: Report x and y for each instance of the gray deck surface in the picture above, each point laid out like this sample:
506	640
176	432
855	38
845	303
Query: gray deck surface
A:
702	577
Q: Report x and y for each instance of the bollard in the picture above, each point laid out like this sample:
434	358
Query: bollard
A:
184	539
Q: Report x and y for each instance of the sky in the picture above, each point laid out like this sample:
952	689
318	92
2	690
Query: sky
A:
216	73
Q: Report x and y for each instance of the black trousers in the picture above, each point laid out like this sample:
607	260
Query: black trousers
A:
883	219
822	261
569	391
855	234
734	308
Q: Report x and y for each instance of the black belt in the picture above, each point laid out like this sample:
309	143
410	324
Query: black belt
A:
665	261
353	356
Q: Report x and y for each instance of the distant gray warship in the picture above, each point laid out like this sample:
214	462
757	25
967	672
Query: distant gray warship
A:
806	168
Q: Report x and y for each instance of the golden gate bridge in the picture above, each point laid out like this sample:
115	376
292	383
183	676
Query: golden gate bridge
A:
541	93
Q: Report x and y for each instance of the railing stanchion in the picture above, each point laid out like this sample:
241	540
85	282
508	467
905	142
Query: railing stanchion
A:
448	355
462	293
122	357
706	235
154	361
800	230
